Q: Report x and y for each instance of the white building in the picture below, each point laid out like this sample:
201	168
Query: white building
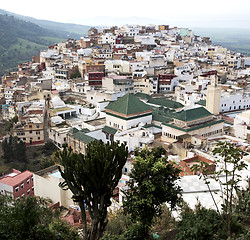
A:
230	101
118	66
242	125
125	121
46	185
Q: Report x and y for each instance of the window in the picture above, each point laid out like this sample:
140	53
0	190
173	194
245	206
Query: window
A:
22	195
16	189
30	131
30	126
37	126
22	185
28	192
28	181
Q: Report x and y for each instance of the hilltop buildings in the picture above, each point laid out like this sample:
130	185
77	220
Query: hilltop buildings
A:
144	86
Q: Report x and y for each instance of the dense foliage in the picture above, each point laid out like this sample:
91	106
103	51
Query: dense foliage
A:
152	183
230	159
30	218
14	150
75	74
202	224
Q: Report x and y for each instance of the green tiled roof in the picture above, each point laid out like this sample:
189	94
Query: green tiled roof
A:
73	130
142	95
84	130
128	104
202	102
165	103
109	130
160	116
83	138
194	127
192	114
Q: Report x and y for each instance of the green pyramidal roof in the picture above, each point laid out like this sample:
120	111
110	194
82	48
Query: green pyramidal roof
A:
192	114
128	104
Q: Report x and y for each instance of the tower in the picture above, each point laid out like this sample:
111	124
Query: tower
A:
213	96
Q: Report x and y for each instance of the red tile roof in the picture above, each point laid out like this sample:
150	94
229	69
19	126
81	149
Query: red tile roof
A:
17	179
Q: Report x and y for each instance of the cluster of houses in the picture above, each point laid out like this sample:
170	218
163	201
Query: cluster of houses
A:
144	86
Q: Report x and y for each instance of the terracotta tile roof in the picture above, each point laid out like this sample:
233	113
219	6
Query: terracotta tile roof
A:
16	179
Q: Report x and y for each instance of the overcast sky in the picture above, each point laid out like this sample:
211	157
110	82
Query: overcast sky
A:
182	13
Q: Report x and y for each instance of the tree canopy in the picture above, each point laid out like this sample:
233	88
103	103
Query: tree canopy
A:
14	150
152	182
30	218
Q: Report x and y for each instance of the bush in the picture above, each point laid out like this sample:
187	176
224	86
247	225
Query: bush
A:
118	224
202	224
134	232
49	148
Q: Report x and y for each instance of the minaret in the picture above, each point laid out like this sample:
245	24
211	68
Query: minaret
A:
213	96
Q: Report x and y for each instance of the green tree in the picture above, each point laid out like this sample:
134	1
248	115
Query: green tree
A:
92	178
30	218
75	74
14	150
200	224
152	183
7	149
49	148
19	149
231	159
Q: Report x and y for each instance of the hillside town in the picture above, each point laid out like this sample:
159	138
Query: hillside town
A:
143	86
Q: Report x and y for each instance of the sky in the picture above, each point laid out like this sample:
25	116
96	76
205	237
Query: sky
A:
181	13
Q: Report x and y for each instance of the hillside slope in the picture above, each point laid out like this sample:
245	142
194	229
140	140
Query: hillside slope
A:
67	29
235	39
20	40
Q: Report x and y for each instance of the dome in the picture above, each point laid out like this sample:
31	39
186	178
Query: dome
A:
57	102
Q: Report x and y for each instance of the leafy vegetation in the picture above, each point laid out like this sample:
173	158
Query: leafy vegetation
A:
75	74
30	218
202	224
231	158
37	158
14	150
152	183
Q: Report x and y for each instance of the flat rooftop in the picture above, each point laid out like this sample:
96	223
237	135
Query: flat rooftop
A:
97	122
